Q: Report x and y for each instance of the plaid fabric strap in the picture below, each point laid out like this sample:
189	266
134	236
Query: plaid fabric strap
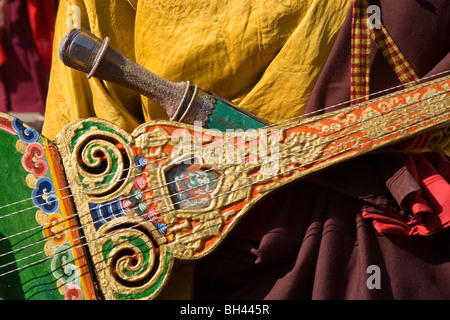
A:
360	56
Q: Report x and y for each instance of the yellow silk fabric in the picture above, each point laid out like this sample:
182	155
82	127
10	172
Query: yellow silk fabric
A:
263	55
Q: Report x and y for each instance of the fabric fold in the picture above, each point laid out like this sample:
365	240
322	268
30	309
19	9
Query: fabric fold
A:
425	208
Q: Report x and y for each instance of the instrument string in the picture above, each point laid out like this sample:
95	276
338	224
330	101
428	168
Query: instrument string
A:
295	168
200	147
56	222
134	226
325	115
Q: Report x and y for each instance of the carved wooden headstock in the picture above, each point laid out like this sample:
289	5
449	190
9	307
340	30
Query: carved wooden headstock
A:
174	191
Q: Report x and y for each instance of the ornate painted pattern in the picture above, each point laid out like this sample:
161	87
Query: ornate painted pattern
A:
171	191
108	182
51	212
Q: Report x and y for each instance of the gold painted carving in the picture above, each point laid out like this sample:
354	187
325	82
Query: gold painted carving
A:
248	166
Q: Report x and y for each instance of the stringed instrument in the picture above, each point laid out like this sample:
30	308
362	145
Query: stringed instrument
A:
102	213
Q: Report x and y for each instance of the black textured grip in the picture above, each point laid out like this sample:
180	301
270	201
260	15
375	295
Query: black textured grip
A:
83	51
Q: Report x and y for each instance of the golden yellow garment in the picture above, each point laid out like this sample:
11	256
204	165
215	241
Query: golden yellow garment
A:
263	55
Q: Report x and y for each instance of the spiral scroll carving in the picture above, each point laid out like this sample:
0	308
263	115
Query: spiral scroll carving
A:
137	264
103	160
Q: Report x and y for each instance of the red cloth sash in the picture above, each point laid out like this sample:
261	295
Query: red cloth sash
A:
426	209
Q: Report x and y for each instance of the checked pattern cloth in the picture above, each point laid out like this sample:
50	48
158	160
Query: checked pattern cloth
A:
362	35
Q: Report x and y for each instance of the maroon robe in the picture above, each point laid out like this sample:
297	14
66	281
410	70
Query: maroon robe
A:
26	48
319	238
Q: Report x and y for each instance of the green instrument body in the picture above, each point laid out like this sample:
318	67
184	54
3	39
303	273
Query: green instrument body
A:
20	284
38	259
